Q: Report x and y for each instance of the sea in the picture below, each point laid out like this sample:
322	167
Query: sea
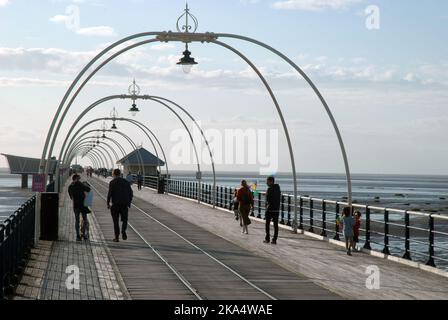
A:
423	193
11	195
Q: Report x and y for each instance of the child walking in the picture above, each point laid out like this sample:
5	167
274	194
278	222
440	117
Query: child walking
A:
356	229
348	224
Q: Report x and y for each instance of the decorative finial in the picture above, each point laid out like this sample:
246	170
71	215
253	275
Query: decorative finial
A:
187	27
134	89
114	114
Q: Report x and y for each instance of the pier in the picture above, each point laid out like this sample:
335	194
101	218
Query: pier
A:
179	249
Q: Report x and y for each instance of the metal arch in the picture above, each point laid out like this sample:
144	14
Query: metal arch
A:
88	139
282	118
132	146
103	64
93	163
319	95
207	37
116	119
97	154
87	144
102	119
74	83
101	157
83	135
80	88
118	145
156	98
103	100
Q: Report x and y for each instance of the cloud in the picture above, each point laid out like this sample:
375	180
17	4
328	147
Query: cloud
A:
4	3
314	5
99	31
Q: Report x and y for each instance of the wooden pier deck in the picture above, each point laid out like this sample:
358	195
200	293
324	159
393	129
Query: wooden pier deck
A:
182	250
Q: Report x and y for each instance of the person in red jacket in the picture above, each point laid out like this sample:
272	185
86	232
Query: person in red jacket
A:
246	200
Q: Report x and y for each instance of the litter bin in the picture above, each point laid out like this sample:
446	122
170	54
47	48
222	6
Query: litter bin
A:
49	216
161	186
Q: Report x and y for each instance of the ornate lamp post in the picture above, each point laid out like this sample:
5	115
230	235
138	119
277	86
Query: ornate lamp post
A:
187	61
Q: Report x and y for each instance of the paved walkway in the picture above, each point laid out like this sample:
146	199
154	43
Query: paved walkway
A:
45	275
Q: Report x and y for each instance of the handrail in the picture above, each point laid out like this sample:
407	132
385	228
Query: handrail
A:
391	236
16	239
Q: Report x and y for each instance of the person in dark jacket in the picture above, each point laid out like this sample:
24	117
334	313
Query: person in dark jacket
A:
121	195
77	192
273	200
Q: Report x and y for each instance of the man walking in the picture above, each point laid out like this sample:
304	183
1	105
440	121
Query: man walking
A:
77	192
273	200
121	195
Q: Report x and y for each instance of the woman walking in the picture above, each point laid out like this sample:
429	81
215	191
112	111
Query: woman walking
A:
246	203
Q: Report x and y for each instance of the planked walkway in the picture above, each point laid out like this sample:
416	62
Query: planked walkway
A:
318	261
181	250
216	268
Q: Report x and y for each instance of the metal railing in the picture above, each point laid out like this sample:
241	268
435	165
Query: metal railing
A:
16	240
417	236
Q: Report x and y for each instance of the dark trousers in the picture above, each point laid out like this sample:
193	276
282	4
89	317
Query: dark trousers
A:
117	211
85	226
272	216
140	185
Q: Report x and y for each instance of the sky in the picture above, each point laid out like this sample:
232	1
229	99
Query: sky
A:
382	67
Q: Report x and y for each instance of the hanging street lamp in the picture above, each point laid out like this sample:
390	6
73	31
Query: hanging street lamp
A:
187	62
134	91
114	116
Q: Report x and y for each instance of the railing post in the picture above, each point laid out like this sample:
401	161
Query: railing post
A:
259	205
336	236
2	259
311	205
407	243
431	262
368	231
324	219
301	214
289	211
282	221
386	232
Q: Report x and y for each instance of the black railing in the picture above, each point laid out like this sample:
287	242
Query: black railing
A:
16	240
417	236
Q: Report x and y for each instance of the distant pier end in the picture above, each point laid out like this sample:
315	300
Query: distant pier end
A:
25	167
